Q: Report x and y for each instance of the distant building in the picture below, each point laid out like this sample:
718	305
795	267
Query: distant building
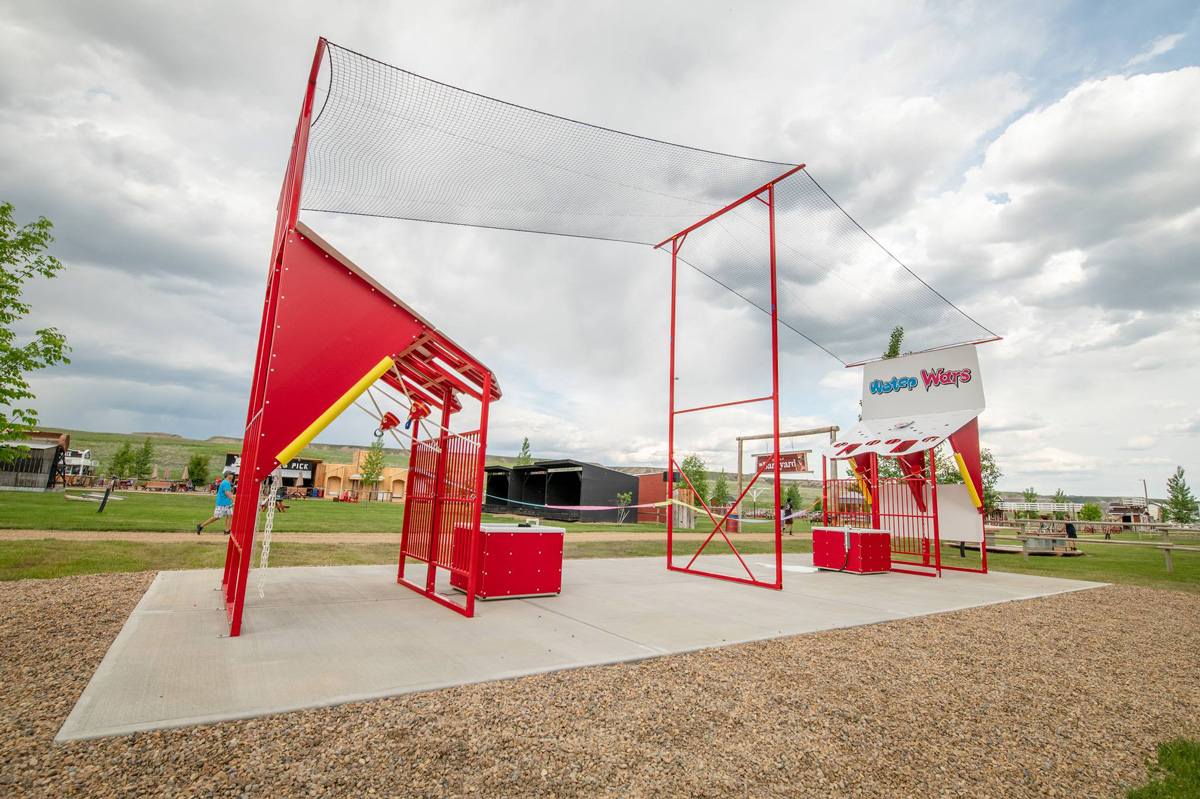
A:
80	467
299	474
41	468
528	490
337	478
317	478
1132	509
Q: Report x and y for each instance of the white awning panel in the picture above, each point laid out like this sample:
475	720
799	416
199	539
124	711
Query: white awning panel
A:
900	435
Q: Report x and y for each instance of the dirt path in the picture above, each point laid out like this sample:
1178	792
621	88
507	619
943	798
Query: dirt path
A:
326	538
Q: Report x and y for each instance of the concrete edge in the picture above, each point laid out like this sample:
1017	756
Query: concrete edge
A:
193	721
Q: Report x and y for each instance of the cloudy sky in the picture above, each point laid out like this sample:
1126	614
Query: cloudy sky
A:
1038	163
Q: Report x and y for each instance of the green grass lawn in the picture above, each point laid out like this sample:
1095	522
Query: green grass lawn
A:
1107	563
167	512
49	557
151	511
142	511
1177	775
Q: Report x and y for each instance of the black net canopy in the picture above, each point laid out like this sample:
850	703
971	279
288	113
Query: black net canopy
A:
386	142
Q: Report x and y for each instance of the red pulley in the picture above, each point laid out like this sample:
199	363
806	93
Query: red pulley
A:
418	412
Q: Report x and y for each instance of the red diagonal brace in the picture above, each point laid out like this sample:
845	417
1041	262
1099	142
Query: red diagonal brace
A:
718	524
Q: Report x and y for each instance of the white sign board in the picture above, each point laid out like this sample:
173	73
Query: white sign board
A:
922	383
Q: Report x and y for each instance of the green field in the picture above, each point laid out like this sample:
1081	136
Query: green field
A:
50	557
150	512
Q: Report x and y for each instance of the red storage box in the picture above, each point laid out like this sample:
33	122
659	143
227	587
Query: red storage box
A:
870	550
514	561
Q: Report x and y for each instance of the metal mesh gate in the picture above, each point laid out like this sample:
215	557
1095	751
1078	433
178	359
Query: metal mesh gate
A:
443	495
906	507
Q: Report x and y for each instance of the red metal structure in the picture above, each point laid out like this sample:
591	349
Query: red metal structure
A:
301	382
906	506
766	195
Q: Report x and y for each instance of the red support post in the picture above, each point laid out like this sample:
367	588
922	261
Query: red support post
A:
473	555
937	538
775	392
675	245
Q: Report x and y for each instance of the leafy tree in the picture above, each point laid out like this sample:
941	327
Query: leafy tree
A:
792	494
1030	495
197	469
371	467
991	474
894	342
1090	512
143	460
22	258
524	457
122	461
624	499
693	466
1062	499
720	494
1181	506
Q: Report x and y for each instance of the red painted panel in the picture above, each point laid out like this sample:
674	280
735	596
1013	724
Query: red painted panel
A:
331	328
870	550
512	563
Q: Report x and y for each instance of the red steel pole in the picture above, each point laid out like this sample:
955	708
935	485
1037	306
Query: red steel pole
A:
671	419
480	487
775	394
241	539
937	536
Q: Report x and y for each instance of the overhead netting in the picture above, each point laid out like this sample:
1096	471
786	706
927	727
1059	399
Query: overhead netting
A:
386	142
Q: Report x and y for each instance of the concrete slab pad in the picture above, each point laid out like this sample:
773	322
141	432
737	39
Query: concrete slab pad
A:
328	635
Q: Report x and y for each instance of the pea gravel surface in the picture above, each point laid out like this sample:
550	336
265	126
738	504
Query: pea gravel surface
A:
1059	696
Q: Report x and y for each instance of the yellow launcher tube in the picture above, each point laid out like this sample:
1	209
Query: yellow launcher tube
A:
322	421
962	467
862	484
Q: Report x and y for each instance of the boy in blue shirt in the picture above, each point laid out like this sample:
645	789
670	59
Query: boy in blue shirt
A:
224	508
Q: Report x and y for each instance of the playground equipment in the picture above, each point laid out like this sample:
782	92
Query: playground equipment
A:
386	142
301	385
906	419
849	549
515	560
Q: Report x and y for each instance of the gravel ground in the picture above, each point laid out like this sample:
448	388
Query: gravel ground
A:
1060	696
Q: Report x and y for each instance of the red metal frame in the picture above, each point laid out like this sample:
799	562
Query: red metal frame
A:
677	242
916	532
438	499
894	506
298	377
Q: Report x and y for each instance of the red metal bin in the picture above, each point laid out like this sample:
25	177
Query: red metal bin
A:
870	551
514	561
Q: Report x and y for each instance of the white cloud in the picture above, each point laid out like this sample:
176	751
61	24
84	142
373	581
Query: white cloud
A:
155	138
1163	44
